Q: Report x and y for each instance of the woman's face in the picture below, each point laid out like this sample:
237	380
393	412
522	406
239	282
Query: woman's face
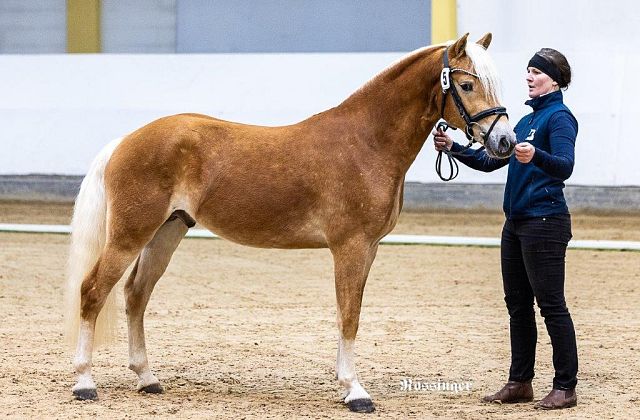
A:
539	83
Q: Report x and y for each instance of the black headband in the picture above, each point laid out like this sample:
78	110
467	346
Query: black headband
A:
545	66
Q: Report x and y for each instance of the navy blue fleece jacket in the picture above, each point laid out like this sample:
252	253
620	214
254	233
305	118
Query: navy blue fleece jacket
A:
536	188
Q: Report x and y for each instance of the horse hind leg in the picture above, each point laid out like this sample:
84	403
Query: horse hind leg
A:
149	267
128	235
96	286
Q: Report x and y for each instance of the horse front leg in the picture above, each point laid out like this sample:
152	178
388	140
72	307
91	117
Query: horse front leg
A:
352	263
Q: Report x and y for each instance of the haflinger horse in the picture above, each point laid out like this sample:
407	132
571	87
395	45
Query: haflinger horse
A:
333	180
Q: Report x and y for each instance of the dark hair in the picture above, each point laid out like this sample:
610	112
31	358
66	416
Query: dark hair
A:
560	61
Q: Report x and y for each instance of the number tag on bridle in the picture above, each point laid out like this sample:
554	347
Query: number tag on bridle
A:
444	79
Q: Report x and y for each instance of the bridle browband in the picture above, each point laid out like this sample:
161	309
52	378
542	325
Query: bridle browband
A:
470	120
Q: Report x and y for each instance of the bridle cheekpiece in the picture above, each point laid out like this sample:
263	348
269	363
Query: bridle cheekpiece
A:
470	120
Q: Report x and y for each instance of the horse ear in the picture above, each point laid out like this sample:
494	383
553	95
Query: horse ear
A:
485	40
458	47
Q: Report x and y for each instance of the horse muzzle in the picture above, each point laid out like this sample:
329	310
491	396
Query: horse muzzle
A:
501	142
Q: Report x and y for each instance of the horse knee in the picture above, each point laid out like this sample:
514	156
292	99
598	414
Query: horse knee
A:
349	329
348	320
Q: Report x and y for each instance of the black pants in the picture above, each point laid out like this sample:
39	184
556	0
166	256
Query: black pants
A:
533	261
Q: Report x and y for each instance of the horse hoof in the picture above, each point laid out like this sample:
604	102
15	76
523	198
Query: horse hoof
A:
361	405
85	394
152	389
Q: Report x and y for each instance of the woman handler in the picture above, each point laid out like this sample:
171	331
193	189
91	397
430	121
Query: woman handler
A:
536	231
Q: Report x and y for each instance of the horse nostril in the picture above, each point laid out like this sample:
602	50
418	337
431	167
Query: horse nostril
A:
504	143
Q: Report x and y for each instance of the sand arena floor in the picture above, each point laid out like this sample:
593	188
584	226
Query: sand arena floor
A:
237	332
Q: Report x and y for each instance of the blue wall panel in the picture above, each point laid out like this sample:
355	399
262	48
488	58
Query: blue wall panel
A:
302	25
33	27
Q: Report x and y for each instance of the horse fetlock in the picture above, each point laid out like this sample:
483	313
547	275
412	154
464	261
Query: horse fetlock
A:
85	388
146	380
358	400
84	382
139	366
357	392
82	367
346	379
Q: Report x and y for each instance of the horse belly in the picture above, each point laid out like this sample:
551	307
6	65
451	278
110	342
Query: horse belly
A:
264	224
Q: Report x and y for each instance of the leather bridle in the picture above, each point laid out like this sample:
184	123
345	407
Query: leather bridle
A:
470	120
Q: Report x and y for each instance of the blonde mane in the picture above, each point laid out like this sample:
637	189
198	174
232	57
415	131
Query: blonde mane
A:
485	69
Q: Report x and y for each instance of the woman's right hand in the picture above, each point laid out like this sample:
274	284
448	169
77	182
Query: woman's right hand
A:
441	140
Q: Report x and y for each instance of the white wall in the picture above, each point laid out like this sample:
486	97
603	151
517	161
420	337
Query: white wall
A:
57	111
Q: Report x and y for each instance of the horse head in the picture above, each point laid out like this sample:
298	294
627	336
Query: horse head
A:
470	96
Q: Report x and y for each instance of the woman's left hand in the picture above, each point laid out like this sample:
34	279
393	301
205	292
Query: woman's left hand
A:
525	152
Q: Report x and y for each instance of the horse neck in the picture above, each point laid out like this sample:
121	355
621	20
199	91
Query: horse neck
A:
394	112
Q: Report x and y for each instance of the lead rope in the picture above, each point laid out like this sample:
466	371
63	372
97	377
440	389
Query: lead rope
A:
453	165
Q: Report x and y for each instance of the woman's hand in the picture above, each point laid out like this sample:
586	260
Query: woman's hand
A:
441	140
525	152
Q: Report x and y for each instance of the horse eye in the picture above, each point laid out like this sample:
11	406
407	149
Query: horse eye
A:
467	87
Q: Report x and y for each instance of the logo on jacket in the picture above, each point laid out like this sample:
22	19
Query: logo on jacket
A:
531	134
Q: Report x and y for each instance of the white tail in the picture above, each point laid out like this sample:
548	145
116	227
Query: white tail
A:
88	228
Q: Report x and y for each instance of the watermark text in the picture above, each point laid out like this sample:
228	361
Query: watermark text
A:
408	384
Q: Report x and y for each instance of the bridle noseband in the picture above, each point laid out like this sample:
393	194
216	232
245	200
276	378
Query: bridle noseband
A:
470	120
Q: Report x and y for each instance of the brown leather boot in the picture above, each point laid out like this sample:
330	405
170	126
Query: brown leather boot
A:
558	399
512	392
